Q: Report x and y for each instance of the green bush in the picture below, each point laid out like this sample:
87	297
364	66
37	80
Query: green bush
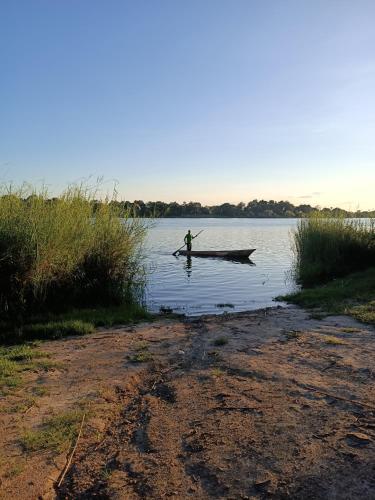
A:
65	251
327	248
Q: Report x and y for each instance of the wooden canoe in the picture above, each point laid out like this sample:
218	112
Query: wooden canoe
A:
225	254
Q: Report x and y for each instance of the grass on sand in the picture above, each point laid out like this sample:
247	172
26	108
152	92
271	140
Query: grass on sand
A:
74	322
18	359
353	295
56	433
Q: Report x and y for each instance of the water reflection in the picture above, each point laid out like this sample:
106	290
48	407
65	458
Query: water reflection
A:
188	263
188	266
195	285
234	260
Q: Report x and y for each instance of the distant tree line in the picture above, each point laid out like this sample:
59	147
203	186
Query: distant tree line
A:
255	208
252	209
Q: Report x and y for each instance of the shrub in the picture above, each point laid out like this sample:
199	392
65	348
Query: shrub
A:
65	251
327	248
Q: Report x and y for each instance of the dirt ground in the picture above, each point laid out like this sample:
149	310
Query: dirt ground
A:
264	404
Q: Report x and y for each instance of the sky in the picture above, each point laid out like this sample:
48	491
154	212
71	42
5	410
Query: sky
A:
205	100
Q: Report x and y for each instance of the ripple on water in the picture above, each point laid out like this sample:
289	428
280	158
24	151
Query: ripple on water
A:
197	285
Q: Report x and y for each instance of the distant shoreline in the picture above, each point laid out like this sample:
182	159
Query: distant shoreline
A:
255	209
244	217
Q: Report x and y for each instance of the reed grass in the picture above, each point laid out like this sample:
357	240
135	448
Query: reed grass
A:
66	252
326	248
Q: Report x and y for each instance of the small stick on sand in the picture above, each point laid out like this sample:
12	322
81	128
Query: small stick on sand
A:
71	455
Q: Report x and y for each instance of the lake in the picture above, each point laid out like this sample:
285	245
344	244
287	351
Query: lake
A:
203	285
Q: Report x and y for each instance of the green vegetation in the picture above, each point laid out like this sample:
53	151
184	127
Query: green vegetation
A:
142	357
141	346
14	470
349	329
292	335
106	473
255	208
65	252
17	359
55	434
74	322
364	312
354	295
21	407
327	248
330	339
24	352
40	391
332	248
9	375
143	354
57	329
83	321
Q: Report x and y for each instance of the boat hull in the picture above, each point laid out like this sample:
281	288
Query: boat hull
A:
225	254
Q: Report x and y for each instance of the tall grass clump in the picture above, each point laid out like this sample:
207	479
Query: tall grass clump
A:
65	251
326	248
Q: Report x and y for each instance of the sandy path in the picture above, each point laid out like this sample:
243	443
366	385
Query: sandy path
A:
241	420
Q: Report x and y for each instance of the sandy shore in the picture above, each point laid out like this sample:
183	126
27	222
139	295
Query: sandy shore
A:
264	404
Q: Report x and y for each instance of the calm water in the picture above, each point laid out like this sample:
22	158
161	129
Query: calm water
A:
198	285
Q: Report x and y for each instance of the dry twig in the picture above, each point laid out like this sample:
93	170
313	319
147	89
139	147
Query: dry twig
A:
71	455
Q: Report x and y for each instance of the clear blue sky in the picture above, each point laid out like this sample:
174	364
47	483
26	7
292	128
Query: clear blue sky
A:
205	100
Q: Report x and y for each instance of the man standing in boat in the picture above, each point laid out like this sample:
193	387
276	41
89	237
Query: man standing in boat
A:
188	239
